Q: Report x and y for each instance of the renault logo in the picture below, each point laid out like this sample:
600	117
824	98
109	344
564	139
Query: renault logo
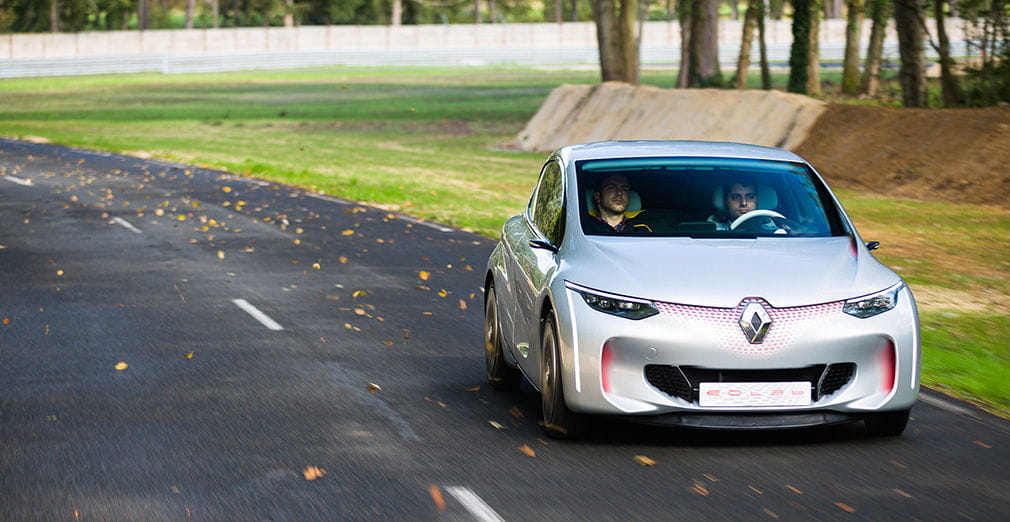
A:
754	321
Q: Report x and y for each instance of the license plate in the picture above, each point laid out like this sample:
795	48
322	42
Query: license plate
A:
745	394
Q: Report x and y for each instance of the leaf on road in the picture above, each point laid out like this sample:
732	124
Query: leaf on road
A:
423	275
297	241
359	293
462	304
347	232
189	355
312	472
343	260
902	493
644	461
496	425
443	292
372	387
516	412
360	311
845	507
794	490
980	443
436	496
7	320
473	388
226	189
59	272
220	254
388	343
528	451
316	266
699	489
121	366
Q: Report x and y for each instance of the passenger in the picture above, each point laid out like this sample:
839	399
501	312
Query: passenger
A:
612	195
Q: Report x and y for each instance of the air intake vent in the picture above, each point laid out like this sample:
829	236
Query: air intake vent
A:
669	380
836	376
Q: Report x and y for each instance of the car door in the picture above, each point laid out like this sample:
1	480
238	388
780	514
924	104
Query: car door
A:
534	266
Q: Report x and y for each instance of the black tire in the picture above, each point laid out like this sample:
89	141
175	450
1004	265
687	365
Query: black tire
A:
559	421
887	424
500	376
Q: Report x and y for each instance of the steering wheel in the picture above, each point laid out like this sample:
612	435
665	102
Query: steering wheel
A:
753	214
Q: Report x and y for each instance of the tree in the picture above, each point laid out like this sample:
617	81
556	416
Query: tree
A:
702	46
880	11
746	40
617	37
853	30
814	50
766	75
912	74
952	93
799	53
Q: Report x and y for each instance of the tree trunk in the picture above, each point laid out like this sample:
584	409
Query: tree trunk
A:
629	40
142	14
734	9
879	12
684	17
396	18
814	60
766	75
853	32
799	52
833	8
215	13
952	94
289	13
703	56
746	42
490	11
476	11
575	11
190	8
54	16
608	40
912	74
559	9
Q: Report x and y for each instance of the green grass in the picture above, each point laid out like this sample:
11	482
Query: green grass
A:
431	142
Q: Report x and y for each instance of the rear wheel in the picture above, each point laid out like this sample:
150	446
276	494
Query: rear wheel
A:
500	375
560	422
887	424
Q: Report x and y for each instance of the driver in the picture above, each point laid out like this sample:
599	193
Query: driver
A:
611	196
740	196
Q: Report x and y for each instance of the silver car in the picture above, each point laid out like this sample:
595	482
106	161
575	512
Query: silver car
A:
709	285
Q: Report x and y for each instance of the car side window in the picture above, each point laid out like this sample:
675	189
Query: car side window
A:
548	203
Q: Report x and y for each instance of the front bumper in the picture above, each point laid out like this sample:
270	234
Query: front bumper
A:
874	362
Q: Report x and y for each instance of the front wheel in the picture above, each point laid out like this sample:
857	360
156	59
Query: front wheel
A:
560	422
887	424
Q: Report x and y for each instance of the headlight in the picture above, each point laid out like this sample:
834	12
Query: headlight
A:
627	307
874	304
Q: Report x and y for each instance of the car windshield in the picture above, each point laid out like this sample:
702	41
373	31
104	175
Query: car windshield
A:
704	197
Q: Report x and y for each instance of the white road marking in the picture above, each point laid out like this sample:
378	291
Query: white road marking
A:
257	314
126	224
946	405
19	181
331	199
474	504
428	224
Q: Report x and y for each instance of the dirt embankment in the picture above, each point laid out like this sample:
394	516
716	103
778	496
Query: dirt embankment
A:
956	155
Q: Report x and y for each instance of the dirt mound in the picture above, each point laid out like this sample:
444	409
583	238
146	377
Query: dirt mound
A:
957	155
613	110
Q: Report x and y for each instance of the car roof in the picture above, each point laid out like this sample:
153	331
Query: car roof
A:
675	148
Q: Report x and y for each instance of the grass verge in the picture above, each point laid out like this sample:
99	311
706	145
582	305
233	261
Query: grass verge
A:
431	142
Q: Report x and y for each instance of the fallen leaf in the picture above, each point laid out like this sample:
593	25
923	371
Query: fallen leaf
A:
984	445
312	472
7	320
189	355
343	260
496	425
372	387
388	343
462	304
181	217
226	189
59	272
121	366
902	493
423	275
436	496
473	388
794	490
514	411
360	311
443	292
297	241
220	254
359	293
699	489
644	461
347	232
316	266
528	451
845	507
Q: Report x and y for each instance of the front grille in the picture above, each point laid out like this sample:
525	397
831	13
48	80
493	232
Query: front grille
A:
669	380
683	381
836	376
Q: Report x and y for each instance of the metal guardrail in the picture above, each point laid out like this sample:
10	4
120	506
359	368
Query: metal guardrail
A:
176	64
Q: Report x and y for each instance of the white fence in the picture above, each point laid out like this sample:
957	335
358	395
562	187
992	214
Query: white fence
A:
178	51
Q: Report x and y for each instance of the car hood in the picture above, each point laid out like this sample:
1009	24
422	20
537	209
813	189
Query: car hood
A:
721	272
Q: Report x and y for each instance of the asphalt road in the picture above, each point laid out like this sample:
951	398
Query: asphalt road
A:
349	384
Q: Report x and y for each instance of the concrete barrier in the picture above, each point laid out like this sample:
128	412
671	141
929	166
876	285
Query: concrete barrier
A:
614	110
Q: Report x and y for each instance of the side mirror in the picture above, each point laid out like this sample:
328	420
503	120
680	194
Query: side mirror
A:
873	245
544	245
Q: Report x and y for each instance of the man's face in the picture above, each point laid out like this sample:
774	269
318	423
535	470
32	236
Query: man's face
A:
612	196
740	199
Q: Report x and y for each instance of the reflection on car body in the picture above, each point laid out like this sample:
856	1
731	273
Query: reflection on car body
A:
777	318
